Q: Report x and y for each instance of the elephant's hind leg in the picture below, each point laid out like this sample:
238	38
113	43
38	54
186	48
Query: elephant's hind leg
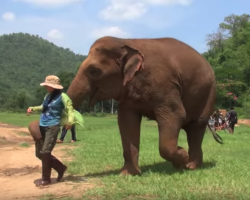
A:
169	128
129	124
195	133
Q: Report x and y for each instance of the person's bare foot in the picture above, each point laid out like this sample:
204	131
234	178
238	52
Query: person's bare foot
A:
59	141
72	141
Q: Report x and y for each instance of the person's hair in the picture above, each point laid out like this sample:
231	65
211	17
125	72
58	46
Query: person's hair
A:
54	95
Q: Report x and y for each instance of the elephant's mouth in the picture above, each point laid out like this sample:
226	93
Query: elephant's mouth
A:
92	99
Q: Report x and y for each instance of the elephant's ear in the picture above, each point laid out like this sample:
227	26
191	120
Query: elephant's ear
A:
132	61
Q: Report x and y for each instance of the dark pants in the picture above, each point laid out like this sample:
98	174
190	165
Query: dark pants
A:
73	133
44	148
231	126
48	140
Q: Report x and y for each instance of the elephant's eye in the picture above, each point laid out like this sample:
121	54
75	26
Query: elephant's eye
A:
95	72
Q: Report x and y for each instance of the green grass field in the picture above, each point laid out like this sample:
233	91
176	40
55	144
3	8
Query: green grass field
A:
98	157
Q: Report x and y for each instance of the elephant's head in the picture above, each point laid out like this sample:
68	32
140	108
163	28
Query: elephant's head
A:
110	65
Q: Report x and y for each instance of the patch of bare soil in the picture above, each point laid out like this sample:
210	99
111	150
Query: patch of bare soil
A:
244	121
19	169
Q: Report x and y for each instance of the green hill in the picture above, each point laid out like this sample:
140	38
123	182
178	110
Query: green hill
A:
26	59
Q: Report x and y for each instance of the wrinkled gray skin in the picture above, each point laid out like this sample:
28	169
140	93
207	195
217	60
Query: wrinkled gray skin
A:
162	79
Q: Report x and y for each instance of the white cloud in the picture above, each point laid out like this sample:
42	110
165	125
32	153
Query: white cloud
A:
131	9
123	10
50	3
110	31
55	34
9	16
169	2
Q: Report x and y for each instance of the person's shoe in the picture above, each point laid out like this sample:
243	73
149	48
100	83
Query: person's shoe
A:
59	167
61	173
42	183
59	141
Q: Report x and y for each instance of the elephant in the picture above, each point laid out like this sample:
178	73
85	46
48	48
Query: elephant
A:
162	79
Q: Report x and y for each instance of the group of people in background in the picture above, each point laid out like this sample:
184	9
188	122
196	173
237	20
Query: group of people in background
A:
230	118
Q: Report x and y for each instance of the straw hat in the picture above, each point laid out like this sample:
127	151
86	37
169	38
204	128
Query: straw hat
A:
52	81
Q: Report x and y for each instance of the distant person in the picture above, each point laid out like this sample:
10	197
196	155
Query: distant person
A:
216	117
232	118
64	131
56	110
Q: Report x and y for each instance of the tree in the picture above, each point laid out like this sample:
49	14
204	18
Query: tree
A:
216	40
229	55
65	79
233	23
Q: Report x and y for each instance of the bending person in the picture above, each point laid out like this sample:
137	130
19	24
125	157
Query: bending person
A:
63	134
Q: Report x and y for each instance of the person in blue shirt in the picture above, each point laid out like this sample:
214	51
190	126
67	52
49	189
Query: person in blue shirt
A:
56	110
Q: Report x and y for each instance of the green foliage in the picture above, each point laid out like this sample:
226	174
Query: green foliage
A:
25	145
95	114
66	79
25	61
229	55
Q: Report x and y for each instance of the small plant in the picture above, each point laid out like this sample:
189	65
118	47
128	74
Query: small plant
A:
25	145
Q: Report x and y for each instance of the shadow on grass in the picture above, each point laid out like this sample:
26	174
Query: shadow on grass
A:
162	168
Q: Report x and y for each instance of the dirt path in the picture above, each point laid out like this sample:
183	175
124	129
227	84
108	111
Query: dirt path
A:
19	168
244	121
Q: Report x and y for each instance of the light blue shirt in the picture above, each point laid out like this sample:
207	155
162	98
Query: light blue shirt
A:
52	116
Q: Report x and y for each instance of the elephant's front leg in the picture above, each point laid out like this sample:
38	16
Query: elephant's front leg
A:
129	124
169	128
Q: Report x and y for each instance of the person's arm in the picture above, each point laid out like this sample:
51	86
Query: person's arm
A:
68	108
37	108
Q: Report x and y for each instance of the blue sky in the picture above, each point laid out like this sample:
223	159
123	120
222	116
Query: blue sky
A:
76	24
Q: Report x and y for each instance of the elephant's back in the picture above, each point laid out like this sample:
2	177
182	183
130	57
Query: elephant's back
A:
174	53
174	65
167	58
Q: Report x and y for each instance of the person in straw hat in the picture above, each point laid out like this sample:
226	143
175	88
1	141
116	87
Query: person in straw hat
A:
57	110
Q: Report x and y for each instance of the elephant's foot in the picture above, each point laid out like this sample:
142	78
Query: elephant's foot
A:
193	165
130	169
195	160
180	160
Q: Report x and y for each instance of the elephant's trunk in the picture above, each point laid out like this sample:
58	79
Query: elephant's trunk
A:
77	91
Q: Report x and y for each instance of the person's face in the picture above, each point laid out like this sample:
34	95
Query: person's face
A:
50	89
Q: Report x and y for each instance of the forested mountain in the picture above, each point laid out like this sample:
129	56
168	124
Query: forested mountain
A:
25	60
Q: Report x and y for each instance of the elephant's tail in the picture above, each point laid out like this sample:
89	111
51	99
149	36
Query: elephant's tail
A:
215	135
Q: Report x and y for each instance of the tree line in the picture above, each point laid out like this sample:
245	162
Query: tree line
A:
25	60
229	55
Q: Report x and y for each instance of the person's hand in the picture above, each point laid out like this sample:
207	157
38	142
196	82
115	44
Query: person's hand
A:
67	127
29	110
